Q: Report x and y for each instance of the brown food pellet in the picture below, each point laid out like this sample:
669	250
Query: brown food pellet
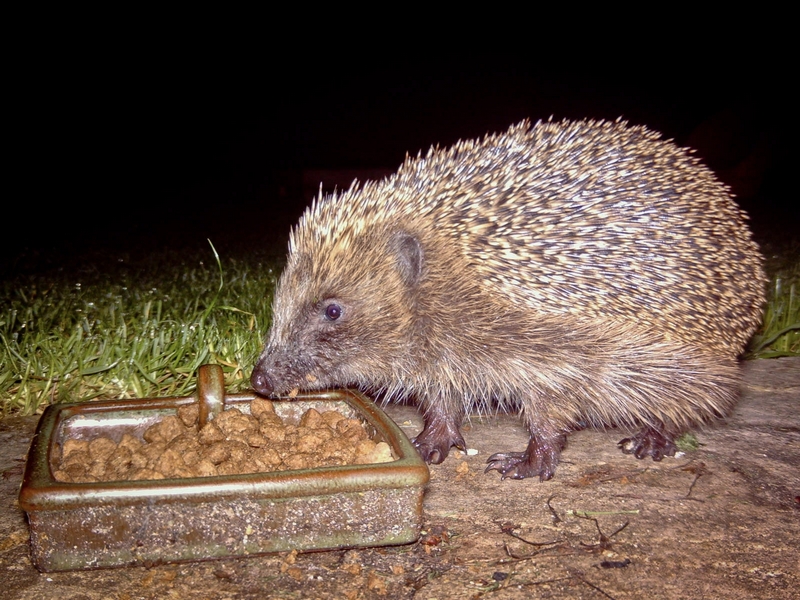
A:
97	470
146	474
217	453
311	419
101	448
152	452
165	430
268	459
205	468
234	421
211	434
72	445
76	457
189	414
233	443
169	463
261	406
133	444
256	440
192	457
120	462
332	417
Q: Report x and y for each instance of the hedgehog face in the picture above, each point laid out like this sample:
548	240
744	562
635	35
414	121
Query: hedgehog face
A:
332	316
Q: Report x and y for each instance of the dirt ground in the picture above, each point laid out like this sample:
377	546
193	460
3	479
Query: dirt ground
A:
719	522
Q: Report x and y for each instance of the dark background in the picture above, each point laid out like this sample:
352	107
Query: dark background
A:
169	155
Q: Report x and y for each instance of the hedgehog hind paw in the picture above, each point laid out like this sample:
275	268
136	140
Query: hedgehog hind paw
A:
517	465
512	465
540	459
649	442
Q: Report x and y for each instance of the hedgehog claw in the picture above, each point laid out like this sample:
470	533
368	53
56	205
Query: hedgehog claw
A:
508	464
649	442
435	451
539	459
435	440
518	465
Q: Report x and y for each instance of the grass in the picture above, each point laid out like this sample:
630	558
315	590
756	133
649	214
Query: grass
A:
133	330
780	332
142	328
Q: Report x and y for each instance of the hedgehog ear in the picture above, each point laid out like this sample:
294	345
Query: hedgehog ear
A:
409	256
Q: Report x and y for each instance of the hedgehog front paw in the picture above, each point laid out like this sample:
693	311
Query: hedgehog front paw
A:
435	440
434	450
649	442
432	453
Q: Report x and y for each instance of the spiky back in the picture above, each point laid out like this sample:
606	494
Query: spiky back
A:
594	219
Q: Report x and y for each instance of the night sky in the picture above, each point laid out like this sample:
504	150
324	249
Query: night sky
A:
174	153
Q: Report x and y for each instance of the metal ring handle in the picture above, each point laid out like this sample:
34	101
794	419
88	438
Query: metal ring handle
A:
210	392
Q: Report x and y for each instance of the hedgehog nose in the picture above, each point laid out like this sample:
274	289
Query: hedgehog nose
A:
261	382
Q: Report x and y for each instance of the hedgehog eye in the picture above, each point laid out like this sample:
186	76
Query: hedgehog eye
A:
333	311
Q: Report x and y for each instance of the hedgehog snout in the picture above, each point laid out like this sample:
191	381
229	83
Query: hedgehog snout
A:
262	383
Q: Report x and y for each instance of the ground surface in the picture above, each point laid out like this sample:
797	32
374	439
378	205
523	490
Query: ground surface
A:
721	522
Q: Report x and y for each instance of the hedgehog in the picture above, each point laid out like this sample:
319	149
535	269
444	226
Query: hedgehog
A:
578	273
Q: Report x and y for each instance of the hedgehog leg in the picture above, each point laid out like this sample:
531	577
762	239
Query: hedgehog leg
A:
649	441
441	432
539	459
